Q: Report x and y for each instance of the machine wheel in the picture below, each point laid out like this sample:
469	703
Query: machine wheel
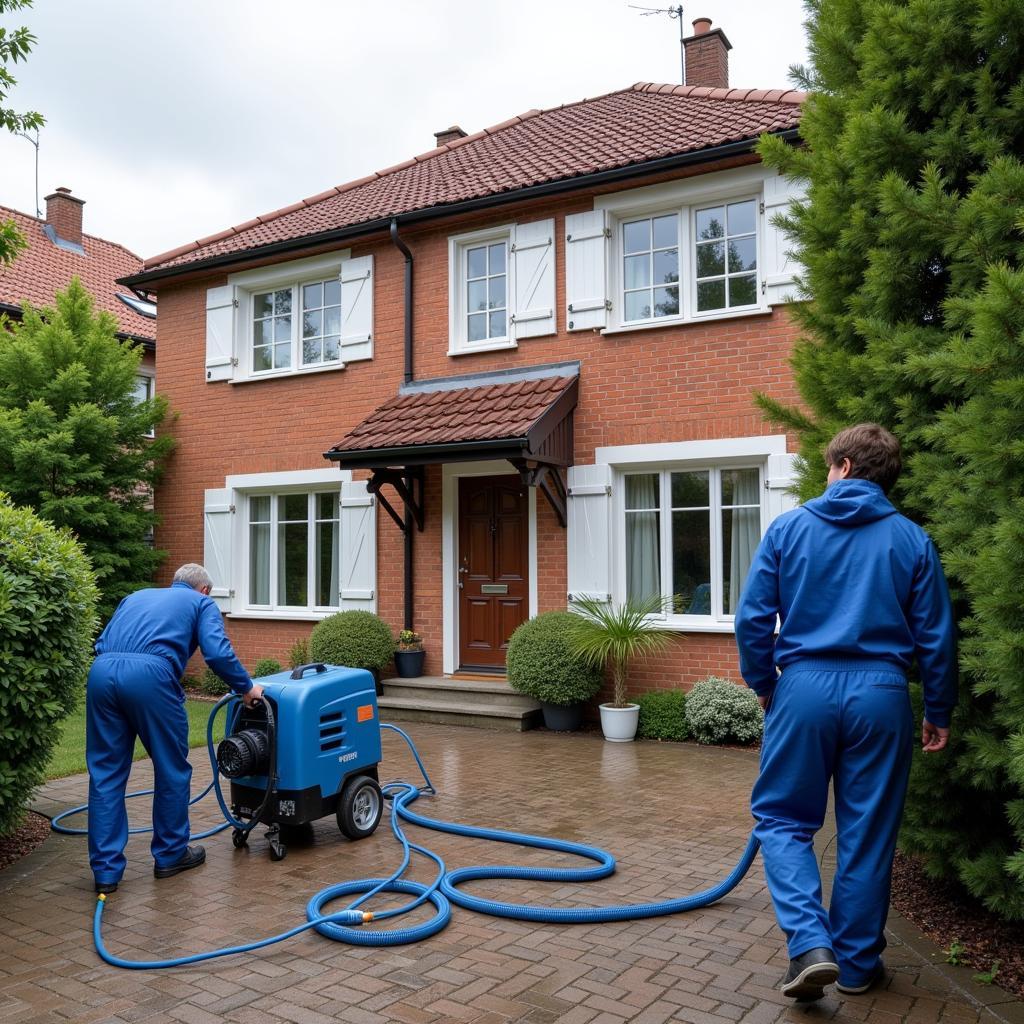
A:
239	838
359	807
278	851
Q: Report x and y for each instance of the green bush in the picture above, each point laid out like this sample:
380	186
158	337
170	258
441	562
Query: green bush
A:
48	620
718	711
266	667
299	653
541	664
353	639
663	716
211	684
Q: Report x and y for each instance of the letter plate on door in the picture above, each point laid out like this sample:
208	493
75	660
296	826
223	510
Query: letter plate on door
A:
493	588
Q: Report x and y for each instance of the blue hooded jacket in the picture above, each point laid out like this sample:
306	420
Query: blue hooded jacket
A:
172	622
849	577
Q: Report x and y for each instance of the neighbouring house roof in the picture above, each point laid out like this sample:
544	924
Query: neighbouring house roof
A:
456	423
629	128
44	268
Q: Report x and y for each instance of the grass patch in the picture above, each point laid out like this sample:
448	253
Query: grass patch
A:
69	753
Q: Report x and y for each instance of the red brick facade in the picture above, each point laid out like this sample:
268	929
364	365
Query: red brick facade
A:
676	383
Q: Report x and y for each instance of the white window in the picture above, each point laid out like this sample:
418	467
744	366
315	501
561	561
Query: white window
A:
294	544
143	392
300	317
690	535
650	267
725	244
502	286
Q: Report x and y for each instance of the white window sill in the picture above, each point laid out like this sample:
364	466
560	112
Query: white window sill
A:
649	325
285	374
471	348
696	626
290	614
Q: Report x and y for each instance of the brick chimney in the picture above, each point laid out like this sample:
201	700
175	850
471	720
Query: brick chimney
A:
449	135
64	215
707	56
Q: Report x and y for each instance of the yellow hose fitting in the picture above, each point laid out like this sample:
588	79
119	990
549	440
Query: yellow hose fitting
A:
367	917
102	897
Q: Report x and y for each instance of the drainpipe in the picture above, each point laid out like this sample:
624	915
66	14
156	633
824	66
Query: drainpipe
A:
409	525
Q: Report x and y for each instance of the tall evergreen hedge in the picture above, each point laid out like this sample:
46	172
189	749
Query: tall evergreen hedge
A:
912	236
47	624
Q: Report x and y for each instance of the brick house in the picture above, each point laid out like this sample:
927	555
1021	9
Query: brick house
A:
528	356
59	250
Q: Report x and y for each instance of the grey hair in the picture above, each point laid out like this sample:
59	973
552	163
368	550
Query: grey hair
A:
194	575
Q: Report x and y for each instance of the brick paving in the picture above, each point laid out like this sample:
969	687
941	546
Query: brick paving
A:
674	815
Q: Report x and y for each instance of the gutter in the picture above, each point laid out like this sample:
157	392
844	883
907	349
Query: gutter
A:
549	188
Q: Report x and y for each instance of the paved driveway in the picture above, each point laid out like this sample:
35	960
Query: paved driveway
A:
673	814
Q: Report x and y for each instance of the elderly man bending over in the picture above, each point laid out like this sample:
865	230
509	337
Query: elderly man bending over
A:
134	689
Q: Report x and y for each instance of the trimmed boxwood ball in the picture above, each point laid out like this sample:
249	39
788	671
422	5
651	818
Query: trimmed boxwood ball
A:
266	667
48	621
718	711
540	663
353	639
663	716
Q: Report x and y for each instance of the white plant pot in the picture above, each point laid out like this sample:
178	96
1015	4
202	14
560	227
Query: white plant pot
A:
619	724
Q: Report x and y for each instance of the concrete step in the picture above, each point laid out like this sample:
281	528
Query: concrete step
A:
482	703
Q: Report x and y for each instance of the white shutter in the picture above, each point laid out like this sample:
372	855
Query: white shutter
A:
780	476
779	268
358	547
586	260
357	309
218	523
220	332
533	271
590	532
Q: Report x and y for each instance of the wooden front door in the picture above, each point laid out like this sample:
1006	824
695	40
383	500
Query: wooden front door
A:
493	567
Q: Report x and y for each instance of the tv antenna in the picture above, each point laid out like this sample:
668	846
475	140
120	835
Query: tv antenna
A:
672	12
35	142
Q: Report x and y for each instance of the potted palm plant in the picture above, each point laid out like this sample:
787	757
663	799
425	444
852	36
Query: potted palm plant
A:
611	636
409	654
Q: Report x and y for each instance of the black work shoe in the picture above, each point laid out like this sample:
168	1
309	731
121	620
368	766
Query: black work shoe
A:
191	858
106	888
809	973
877	975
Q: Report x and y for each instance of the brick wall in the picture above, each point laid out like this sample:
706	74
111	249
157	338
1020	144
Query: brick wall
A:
654	385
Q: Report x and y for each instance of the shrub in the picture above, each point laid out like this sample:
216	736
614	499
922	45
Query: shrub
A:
718	711
663	716
299	653
266	667
541	663
48	620
211	684
353	639
409	640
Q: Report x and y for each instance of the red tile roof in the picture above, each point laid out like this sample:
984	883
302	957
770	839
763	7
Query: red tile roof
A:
484	413
43	269
633	126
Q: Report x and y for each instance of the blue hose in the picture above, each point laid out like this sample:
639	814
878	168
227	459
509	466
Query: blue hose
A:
348	925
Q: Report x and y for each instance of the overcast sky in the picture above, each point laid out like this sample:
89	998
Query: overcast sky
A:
174	119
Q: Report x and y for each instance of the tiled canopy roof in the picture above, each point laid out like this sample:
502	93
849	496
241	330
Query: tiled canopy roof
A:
491	412
43	268
636	125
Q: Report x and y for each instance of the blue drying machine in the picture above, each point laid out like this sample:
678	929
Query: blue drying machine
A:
309	749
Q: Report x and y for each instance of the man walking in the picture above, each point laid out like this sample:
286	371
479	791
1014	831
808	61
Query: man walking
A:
859	592
134	689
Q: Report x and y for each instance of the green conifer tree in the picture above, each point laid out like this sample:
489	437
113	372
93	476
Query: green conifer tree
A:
911	236
73	441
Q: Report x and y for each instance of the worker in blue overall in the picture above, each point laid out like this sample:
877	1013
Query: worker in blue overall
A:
134	689
858	593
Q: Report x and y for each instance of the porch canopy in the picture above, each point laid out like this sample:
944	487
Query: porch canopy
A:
522	416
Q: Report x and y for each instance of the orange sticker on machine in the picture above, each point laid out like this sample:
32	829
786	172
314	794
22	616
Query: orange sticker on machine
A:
364	713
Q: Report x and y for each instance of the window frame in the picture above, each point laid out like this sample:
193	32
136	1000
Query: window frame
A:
293	275
150	378
458	247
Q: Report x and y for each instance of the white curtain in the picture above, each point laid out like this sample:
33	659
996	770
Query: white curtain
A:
746	532
643	560
259	564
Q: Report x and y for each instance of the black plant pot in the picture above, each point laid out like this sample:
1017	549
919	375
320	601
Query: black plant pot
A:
409	664
562	717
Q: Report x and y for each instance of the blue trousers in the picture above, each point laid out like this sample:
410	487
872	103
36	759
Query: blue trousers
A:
129	695
849	722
